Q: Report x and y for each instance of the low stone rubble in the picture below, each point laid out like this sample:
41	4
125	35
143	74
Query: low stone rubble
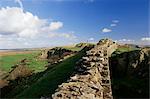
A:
91	79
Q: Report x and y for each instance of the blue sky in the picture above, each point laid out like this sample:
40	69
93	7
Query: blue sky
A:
63	22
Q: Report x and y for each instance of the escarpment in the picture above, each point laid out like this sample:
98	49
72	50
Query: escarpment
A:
55	55
91	79
130	74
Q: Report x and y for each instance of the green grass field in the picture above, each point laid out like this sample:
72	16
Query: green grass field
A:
6	62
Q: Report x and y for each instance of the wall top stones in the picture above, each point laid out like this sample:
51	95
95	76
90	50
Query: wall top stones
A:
91	79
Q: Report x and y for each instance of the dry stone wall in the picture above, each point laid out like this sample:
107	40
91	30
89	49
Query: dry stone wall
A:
91	79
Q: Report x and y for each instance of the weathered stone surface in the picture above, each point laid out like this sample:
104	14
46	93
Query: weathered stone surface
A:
43	54
91	79
55	55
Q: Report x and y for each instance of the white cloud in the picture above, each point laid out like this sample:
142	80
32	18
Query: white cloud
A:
146	39
91	39
113	24
126	40
14	20
59	39
115	21
69	35
55	25
22	29
20	3
105	30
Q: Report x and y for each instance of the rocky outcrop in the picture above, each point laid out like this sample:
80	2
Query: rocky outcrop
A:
82	45
58	53
55	55
91	79
130	72
20	70
129	63
43	54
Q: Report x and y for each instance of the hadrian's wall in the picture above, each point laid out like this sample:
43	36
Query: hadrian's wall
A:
91	79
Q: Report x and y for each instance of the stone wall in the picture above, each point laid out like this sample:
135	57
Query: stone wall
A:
91	79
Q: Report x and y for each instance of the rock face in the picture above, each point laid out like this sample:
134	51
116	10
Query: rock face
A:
130	63
19	70
44	54
91	79
54	55
82	45
58	53
130	72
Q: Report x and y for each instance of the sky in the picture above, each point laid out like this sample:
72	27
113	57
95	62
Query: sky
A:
46	23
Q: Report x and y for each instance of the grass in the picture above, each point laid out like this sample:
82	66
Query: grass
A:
123	50
6	62
47	84
73	48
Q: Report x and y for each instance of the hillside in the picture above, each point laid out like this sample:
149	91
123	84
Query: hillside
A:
104	70
130	73
43	83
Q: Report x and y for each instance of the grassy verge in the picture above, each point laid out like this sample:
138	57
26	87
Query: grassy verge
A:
6	62
73	48
47	84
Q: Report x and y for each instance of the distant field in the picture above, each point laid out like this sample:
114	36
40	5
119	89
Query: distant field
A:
8	59
6	53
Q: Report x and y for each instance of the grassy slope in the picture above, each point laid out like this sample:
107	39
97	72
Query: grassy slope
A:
73	48
6	62
124	49
47	84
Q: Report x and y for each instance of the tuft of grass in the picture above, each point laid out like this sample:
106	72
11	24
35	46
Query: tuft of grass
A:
6	62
